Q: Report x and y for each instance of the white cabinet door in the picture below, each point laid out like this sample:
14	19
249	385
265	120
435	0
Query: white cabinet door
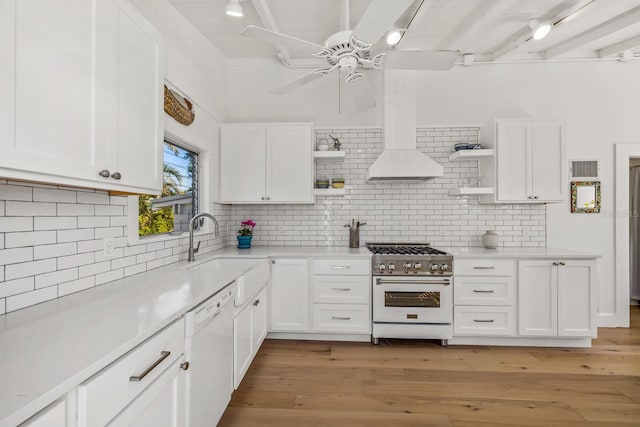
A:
52	66
513	159
548	162
55	415
259	319
242	343
576	298
289	298
537	298
289	156
161	404
242	163
134	99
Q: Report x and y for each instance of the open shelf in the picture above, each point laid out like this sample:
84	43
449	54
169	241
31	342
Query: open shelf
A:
329	191
328	154
462	155
470	191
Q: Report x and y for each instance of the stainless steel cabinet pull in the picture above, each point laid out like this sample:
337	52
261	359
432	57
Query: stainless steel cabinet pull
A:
555	263
483	320
273	261
340	289
480	291
104	173
163	355
256	302
562	263
184	366
444	282
535	197
341	267
484	268
262	198
340	318
116	175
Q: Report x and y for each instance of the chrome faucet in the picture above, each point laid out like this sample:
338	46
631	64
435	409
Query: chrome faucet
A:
216	231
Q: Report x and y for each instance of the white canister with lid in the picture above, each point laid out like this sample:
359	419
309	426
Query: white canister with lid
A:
490	239
323	145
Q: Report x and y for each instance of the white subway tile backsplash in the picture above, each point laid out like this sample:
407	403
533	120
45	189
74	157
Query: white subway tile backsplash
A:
76	286
28	299
135	269
13	287
65	209
25	269
106	232
89	245
93	198
109	276
75	235
16	255
123	262
93	269
55	223
29	208
15	223
56	277
118	200
53	251
75	260
29	238
93	221
16	192
3	306
109	210
53	195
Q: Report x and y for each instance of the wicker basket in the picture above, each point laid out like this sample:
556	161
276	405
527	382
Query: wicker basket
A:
178	107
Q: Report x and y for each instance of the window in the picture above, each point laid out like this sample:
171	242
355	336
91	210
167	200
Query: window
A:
175	206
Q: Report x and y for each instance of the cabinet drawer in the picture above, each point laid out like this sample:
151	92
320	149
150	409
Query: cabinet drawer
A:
485	267
470	320
341	289
341	318
341	266
484	290
105	394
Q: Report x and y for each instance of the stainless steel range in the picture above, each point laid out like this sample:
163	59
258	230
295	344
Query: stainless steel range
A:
412	291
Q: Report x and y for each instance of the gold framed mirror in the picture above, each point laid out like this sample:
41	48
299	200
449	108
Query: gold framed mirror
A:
585	197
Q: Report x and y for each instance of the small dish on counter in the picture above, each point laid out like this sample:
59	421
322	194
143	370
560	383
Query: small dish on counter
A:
322	183
466	146
337	182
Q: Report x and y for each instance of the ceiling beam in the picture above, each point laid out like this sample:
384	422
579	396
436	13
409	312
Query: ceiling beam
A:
556	15
611	26
265	15
619	47
470	24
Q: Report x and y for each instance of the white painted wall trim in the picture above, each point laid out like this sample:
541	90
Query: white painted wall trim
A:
623	152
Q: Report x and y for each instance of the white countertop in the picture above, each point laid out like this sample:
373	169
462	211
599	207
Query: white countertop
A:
508	252
47	349
295	251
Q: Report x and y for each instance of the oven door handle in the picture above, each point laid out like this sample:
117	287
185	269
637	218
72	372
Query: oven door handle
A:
444	282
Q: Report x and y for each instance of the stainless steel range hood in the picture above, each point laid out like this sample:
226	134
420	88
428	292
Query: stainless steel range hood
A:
400	160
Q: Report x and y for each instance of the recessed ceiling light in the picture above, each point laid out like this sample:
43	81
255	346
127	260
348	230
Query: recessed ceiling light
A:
393	37
539	29
234	9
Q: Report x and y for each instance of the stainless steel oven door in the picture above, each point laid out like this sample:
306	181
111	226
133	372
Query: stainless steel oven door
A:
412	300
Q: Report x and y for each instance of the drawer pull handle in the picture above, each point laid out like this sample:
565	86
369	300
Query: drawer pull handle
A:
481	291
340	289
484	268
340	318
483	320
256	303
163	355
341	267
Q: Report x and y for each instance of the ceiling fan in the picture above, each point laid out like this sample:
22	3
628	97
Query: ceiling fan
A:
351	51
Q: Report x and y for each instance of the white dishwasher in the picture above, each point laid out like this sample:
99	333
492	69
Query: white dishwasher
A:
209	352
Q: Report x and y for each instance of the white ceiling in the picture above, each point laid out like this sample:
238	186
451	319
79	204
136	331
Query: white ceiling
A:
489	29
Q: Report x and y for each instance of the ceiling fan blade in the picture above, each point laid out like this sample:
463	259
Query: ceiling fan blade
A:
379	18
279	39
360	91
301	81
421	59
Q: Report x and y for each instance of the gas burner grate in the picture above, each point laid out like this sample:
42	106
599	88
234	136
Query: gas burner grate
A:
402	249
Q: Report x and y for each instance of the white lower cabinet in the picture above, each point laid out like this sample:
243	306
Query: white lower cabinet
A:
289	297
148	376
341	318
249	330
557	298
55	415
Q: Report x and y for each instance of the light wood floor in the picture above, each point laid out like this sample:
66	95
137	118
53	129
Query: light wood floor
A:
407	383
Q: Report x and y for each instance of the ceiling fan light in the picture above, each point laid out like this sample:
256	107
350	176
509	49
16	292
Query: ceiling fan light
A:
234	9
539	29
393	37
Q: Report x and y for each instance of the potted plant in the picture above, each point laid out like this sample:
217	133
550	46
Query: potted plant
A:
245	234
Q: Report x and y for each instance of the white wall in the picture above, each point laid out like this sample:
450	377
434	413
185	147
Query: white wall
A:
599	101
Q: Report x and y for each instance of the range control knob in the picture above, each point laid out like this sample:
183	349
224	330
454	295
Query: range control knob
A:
406	266
444	267
382	268
417	266
433	267
392	267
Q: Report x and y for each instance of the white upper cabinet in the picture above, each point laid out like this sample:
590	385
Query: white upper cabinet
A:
530	163
82	94
266	163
